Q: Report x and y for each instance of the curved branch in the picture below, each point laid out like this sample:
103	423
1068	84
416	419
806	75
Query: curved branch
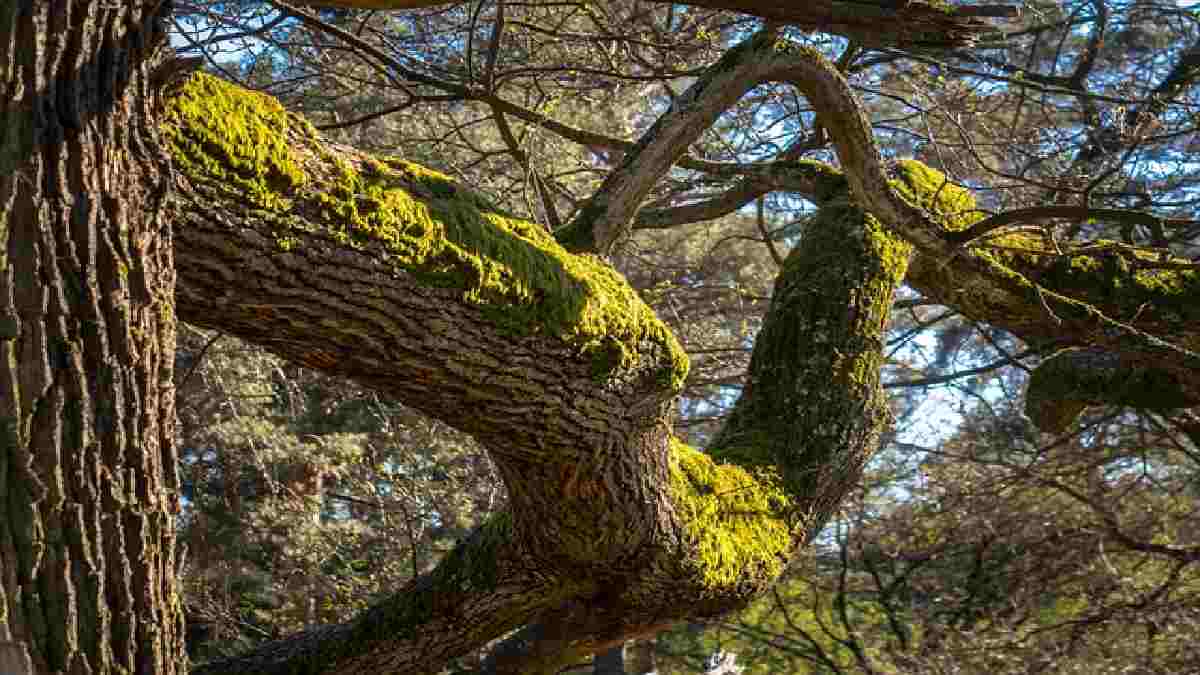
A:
1123	299
391	274
741	194
763	58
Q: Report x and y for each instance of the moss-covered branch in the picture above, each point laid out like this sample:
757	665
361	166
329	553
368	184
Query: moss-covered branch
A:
1064	385
381	271
1132	311
813	408
377	269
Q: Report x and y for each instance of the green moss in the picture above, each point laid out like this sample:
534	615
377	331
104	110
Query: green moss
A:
1176	285
436	182
1108	274
932	190
735	519
815	406
1111	277
941	6
246	144
890	252
231	134
1065	384
1120	278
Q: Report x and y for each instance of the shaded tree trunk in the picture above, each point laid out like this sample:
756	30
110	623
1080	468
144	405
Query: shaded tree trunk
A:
87	333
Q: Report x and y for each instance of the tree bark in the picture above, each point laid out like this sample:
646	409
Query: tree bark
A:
381	271
87	334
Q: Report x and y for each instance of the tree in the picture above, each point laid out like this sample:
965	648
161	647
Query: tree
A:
133	197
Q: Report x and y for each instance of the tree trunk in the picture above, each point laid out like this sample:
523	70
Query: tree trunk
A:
87	334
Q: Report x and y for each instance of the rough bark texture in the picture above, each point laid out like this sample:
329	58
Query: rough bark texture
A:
382	271
87	334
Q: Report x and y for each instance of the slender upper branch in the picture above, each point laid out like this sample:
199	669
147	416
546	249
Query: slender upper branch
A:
921	24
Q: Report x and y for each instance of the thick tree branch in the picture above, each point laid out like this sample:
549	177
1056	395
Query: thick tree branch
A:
335	246
1065	384
825	327
392	275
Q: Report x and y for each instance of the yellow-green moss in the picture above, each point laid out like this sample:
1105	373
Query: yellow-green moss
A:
932	190
247	144
831	304
231	134
736	519
890	250
1108	275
